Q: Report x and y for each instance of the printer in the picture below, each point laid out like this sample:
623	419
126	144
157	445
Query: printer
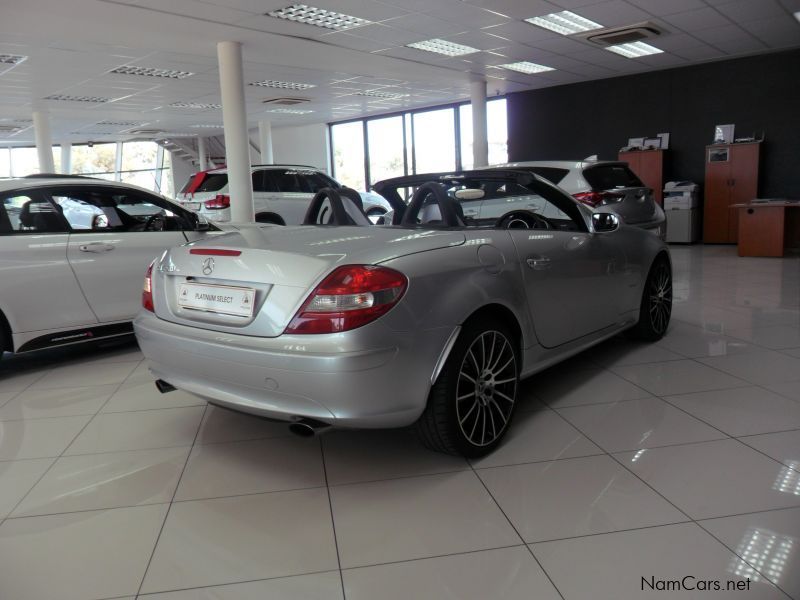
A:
680	206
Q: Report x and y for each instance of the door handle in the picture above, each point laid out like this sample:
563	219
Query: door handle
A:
96	247
538	263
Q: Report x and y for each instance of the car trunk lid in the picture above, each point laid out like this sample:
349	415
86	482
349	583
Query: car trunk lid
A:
622	191
253	281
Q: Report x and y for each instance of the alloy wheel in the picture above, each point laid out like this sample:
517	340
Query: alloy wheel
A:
660	298
487	388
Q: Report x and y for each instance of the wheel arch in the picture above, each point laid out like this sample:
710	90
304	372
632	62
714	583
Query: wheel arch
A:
6	338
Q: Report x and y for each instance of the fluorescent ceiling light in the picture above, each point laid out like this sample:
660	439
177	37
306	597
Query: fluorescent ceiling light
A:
438	46
206	126
194	105
379	94
526	67
797	15
120	123
290	111
64	98
151	72
12	59
319	17
564	22
635	49
284	85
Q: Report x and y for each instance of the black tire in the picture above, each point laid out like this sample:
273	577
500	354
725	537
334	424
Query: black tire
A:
472	402
268	218
656	307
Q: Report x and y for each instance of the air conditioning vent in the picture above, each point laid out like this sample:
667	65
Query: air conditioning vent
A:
285	101
144	131
614	36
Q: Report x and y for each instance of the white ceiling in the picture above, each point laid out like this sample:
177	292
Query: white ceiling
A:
72	44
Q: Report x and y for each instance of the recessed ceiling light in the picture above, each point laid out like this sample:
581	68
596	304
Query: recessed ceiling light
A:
206	126
443	47
319	17
120	123
284	85
199	105
379	94
65	98
290	111
12	59
564	22
151	72
634	49
526	67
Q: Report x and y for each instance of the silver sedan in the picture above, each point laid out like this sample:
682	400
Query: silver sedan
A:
431	322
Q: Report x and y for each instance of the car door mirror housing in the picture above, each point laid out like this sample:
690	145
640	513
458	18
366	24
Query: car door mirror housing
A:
603	222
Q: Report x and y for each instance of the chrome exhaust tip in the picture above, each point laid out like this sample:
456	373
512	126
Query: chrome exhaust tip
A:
307	427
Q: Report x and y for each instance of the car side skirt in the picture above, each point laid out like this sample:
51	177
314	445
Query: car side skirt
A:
76	336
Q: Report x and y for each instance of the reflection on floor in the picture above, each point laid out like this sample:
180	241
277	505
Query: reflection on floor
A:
628	467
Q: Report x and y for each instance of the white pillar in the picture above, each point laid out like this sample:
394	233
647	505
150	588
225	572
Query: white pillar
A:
202	153
66	158
237	142
480	144
265	142
44	142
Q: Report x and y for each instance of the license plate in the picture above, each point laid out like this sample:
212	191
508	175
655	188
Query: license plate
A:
220	299
192	205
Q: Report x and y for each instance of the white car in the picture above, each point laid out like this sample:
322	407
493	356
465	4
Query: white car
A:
281	194
72	254
606	186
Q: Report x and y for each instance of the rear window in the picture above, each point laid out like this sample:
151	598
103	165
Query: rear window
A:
213	182
607	177
552	174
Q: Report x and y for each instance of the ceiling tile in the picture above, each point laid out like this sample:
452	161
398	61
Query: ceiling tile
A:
611	14
427	26
743	11
776	32
561	45
347	40
518	31
704	52
382	34
669	7
518	9
697	20
462	13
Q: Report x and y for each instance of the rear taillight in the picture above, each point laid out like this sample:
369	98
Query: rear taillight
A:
147	289
220	201
351	296
596	198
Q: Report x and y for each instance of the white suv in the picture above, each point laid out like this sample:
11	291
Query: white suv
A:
281	194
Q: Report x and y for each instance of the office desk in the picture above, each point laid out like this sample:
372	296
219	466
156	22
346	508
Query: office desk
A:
768	228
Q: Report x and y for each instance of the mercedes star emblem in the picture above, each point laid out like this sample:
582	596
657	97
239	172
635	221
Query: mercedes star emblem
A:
208	266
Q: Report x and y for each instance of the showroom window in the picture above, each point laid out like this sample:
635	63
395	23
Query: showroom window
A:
429	140
141	163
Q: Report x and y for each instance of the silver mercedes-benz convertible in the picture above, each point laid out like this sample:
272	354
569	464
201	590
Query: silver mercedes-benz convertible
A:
430	321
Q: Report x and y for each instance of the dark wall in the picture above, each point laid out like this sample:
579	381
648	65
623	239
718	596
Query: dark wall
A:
758	93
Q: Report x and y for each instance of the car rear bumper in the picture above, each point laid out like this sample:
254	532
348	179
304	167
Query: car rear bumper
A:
288	378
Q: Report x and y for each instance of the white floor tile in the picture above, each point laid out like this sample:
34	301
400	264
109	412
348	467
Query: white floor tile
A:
229	540
615	566
320	586
141	394
356	456
539	436
99	374
588	386
775	337
503	574
695	342
758	367
636	424
38	438
788	389
115	432
575	497
17	477
783	447
13	382
792	352
714	479
416	517
678	377
741	411
108	480
63	402
222	425
620	351
767	544
99	554
254	466
5	398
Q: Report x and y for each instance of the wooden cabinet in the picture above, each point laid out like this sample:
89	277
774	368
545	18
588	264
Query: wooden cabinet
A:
731	178
649	167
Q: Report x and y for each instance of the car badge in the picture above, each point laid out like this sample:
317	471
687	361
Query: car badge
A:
208	266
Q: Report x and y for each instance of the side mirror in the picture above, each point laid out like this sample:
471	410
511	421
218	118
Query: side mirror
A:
603	222
99	222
